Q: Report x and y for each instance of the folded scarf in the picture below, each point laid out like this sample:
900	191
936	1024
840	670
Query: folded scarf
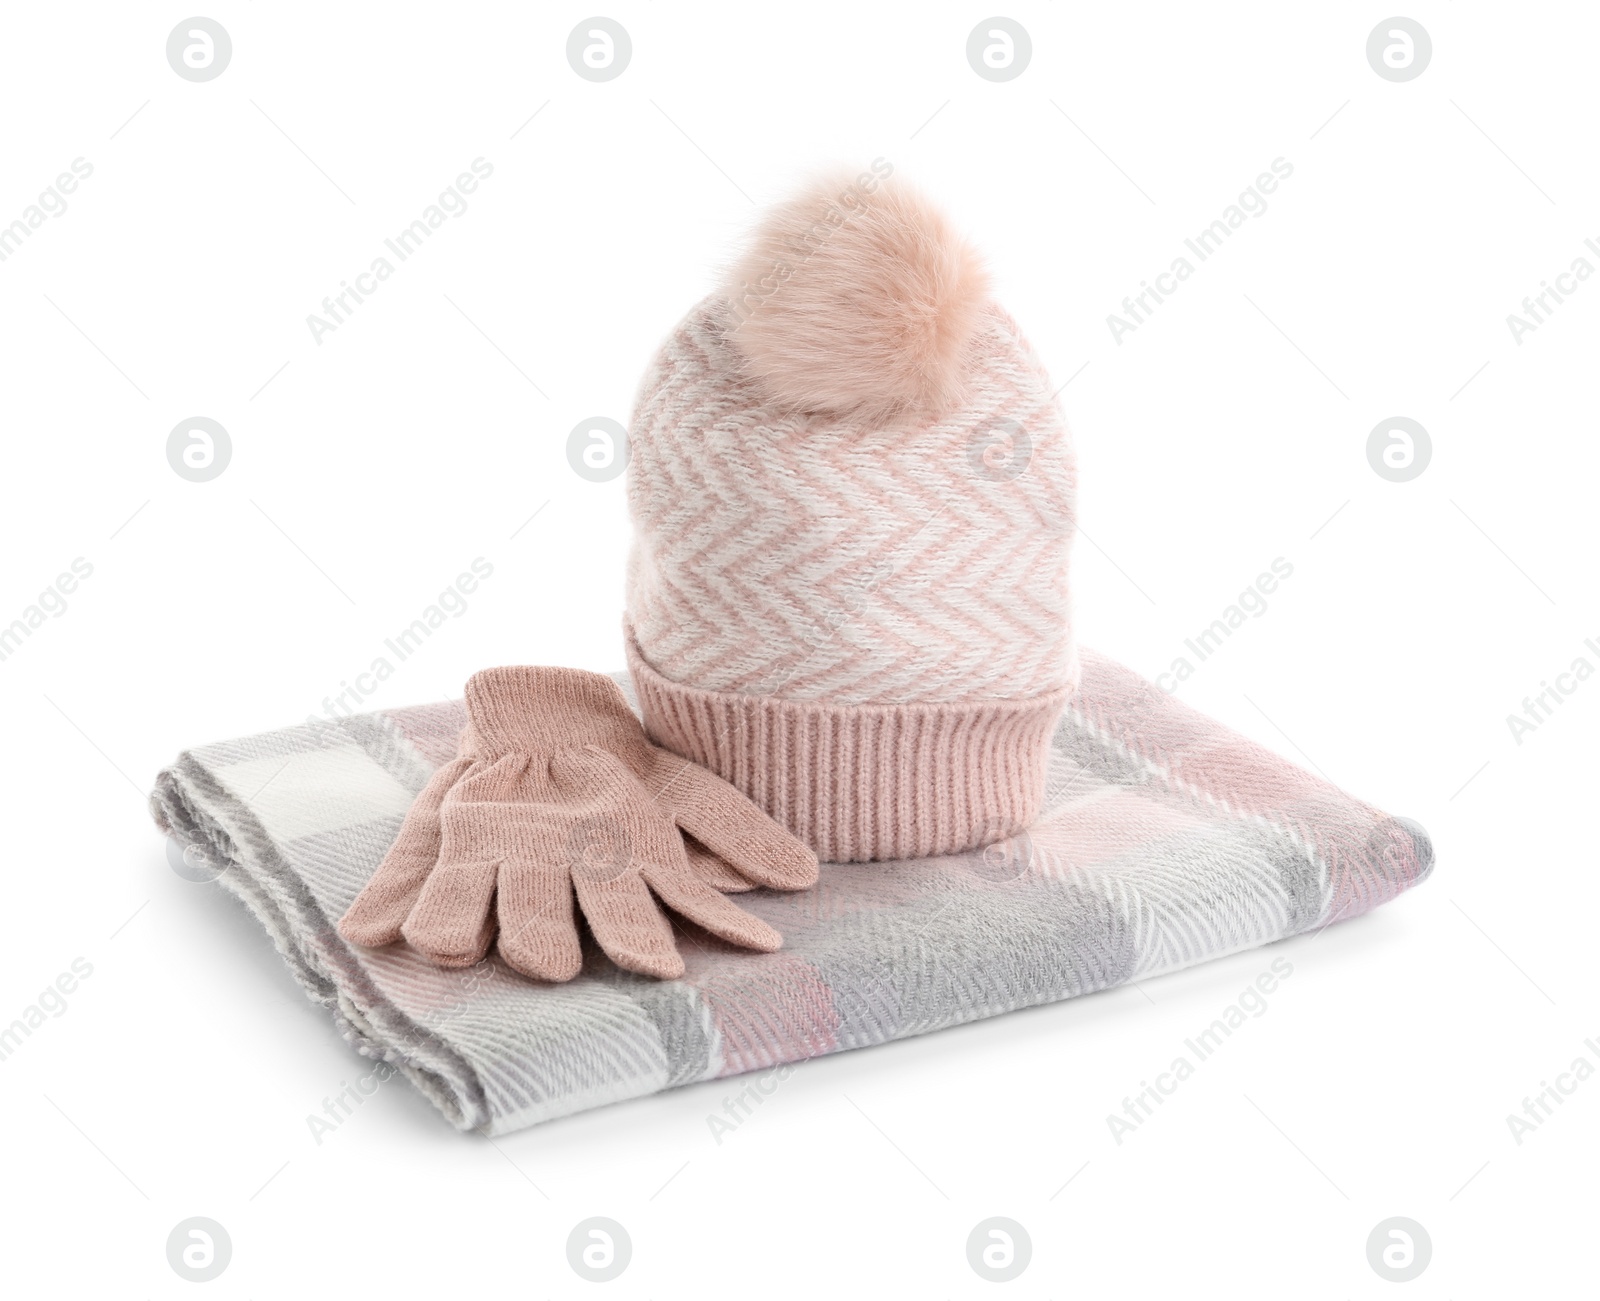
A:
1167	839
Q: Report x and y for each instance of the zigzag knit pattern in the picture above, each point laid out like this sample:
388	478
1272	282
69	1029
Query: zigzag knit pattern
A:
785	556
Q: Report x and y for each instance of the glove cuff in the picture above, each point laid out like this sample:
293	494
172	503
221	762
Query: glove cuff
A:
520	708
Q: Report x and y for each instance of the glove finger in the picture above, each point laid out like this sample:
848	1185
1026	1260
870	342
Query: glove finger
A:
379	912
614	829
713	871
647	853
729	825
452	923
538	932
687	895
627	922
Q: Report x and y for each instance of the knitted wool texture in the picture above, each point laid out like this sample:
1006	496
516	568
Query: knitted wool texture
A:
556	793
1165	840
866	630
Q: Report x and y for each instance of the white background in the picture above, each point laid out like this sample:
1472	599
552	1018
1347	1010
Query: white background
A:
370	469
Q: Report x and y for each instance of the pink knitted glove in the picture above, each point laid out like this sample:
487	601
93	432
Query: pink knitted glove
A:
557	791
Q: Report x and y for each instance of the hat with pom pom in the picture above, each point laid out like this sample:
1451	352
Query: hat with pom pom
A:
852	495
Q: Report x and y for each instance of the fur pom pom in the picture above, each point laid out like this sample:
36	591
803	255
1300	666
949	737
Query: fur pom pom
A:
857	300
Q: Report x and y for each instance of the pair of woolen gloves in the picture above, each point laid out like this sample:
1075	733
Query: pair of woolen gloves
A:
557	797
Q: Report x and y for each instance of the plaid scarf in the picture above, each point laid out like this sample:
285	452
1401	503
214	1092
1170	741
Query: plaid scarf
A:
1166	840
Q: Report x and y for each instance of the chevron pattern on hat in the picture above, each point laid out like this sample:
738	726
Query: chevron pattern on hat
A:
803	558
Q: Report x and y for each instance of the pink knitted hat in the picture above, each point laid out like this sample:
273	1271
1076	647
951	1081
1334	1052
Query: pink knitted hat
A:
852	495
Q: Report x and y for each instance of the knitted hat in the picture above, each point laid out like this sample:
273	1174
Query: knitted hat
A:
852	496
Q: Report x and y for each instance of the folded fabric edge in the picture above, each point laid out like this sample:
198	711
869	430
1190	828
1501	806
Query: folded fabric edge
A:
189	805
1358	879
193	806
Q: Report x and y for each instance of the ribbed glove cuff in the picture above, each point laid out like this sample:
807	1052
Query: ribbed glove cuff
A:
526	708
